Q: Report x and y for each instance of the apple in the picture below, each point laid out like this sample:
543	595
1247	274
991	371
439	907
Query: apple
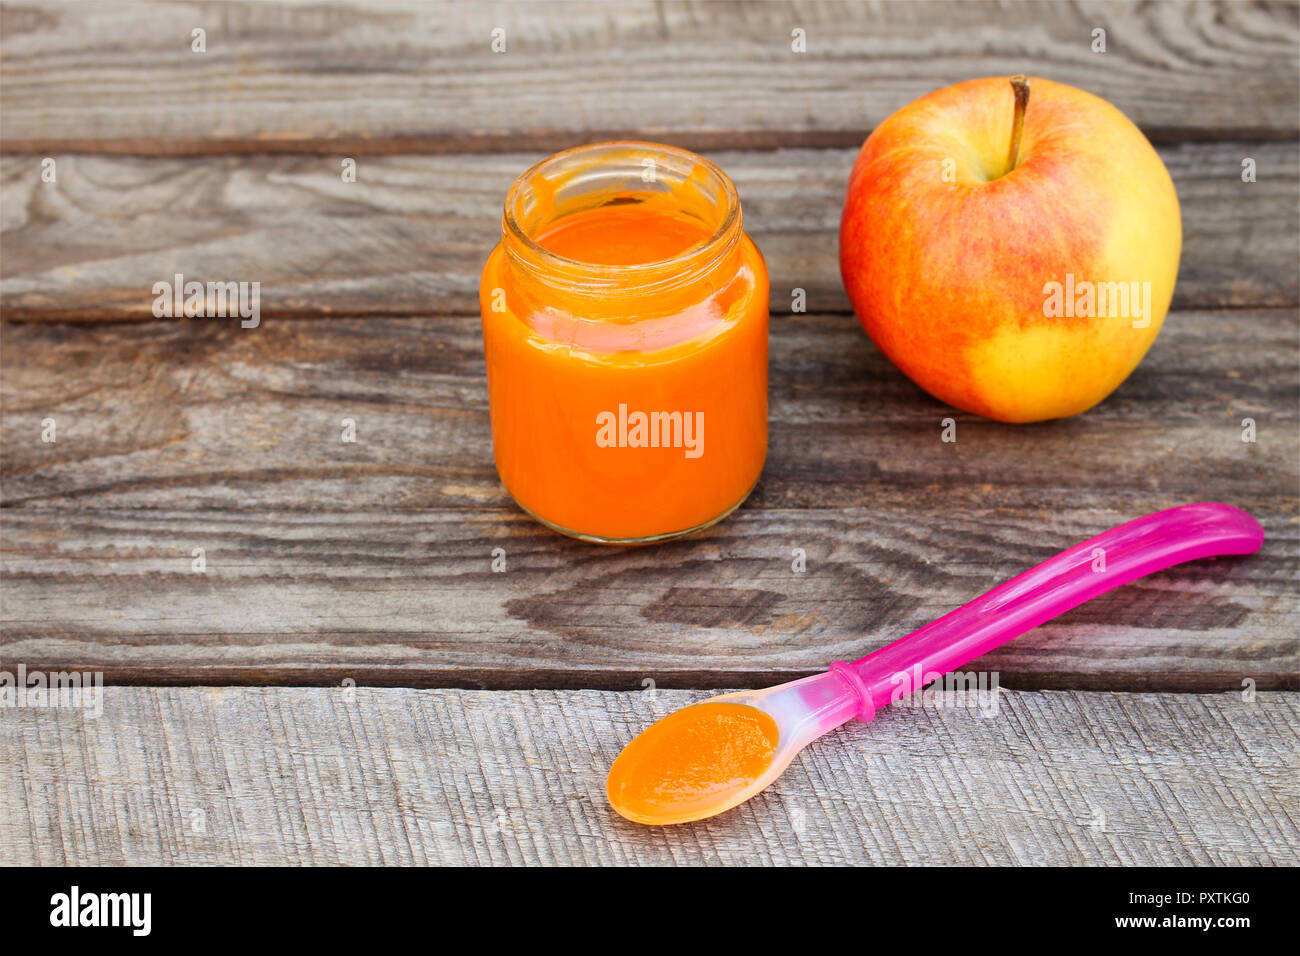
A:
1013	255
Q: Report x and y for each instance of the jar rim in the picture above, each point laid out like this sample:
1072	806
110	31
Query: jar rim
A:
515	231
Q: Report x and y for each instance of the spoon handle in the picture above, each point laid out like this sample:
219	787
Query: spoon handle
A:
1099	564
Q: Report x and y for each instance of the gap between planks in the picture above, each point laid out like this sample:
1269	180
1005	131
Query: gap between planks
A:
362	147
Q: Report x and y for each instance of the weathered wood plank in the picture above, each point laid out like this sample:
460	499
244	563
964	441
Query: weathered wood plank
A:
409	599
202	412
372	560
407	77
263	776
410	235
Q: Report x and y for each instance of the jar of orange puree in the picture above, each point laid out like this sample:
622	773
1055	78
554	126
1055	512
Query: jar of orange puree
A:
625	330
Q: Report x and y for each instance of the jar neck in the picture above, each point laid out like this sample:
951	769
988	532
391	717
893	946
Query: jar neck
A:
674	181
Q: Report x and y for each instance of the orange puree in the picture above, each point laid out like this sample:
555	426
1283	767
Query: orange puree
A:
691	762
623	235
625	334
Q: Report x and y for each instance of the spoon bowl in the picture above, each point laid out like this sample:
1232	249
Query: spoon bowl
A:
675	772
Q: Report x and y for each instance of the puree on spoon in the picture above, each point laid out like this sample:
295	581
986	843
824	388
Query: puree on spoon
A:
691	761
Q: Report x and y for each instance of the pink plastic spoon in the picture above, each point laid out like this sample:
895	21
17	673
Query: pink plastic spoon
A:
686	767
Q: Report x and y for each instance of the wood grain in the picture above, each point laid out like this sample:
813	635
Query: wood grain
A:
371	563
372	560
364	776
410	235
423	77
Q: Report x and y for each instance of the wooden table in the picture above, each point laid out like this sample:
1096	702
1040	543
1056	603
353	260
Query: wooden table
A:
348	680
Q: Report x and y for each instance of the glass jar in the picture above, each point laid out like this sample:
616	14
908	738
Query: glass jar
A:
625	319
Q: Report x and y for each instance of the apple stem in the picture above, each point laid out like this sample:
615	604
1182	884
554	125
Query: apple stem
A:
1020	86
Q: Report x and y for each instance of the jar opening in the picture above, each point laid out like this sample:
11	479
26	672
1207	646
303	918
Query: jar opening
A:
636	178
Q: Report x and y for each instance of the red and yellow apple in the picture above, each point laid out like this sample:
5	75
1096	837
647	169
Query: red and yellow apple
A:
992	234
